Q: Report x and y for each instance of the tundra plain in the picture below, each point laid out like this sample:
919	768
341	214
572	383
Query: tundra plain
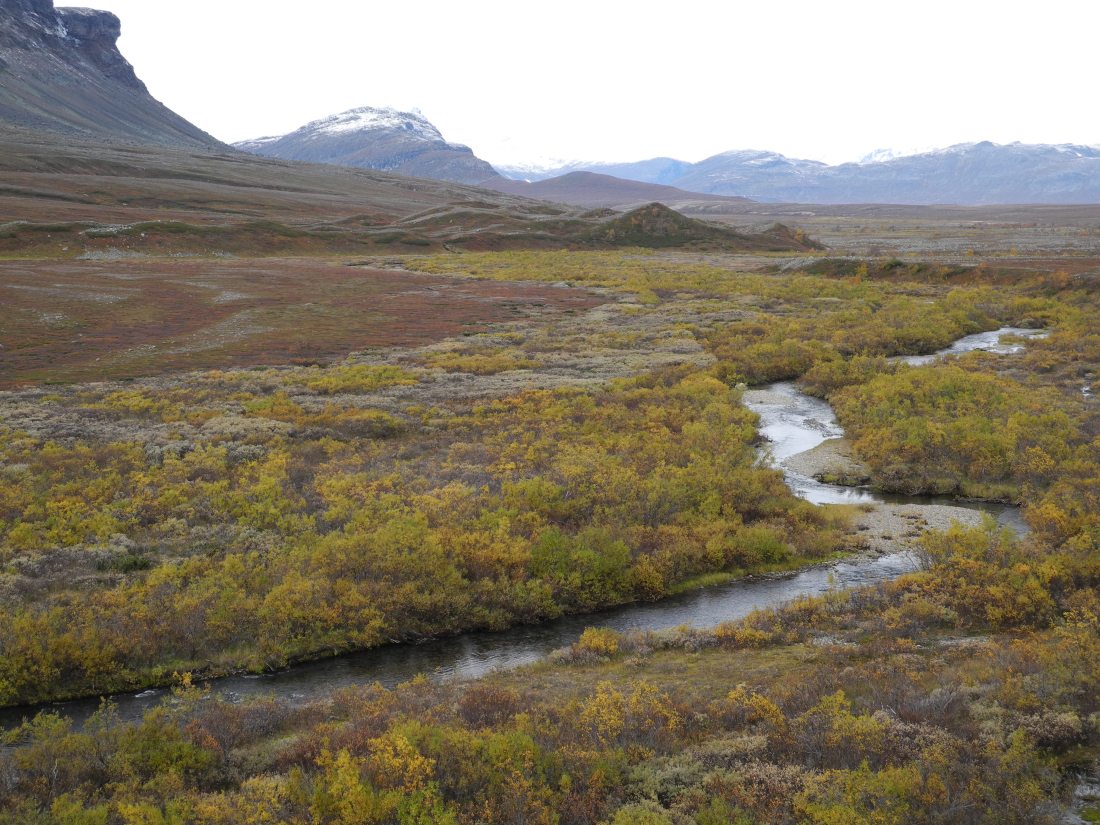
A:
220	459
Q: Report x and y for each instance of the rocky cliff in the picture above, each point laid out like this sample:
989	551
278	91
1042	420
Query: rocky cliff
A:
61	71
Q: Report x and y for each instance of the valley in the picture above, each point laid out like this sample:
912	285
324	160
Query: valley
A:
259	513
345	481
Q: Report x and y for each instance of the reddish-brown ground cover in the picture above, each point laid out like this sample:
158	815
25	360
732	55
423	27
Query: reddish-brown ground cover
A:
90	320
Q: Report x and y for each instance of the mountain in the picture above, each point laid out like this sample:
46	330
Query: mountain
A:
967	174
751	171
972	173
593	190
378	138
61	72
654	170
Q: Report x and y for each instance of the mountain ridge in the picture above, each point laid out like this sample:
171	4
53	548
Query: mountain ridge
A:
979	173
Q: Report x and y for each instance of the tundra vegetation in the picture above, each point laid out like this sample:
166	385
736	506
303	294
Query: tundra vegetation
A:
245	518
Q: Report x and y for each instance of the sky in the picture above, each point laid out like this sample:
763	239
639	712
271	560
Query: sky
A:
523	82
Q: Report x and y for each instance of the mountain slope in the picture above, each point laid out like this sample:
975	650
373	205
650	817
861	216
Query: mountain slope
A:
76	197
61	72
594	190
378	138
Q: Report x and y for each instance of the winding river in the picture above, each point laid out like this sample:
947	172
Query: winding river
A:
796	423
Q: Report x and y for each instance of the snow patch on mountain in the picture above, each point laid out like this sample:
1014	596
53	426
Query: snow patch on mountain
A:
886	154
541	168
256	142
381	138
369	118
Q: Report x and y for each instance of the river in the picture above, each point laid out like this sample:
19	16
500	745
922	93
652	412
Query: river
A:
794	425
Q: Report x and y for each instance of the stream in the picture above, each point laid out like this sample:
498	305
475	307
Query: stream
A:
792	421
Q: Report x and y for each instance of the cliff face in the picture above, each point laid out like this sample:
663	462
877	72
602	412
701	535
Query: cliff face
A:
61	71
95	35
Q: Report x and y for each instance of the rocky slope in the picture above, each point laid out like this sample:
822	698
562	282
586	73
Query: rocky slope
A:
378	138
968	174
61	72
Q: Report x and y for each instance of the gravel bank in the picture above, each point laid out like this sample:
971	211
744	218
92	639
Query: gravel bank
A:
766	397
889	528
830	460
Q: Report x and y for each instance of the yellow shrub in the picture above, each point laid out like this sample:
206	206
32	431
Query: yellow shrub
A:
358	378
601	641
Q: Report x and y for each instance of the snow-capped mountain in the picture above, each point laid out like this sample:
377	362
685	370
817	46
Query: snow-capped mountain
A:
377	138
967	173
543	168
748	169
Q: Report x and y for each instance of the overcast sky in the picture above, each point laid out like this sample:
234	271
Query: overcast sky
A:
628	79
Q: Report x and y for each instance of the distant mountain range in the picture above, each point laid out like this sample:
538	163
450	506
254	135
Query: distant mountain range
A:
61	72
593	190
969	173
378	138
654	170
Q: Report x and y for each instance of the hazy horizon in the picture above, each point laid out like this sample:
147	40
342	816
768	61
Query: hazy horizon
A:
620	82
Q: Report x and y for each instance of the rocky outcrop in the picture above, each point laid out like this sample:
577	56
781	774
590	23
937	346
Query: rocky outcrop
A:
656	226
95	34
61	71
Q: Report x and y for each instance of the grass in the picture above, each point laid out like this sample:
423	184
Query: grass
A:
772	568
706	580
705	674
